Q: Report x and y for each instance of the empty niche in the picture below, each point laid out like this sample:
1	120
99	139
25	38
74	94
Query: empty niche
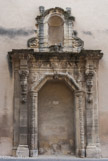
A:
55	30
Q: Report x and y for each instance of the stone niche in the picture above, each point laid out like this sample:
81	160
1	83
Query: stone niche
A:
55	91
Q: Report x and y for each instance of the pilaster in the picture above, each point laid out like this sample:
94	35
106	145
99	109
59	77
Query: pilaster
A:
16	109
34	124
91	149
79	97
22	150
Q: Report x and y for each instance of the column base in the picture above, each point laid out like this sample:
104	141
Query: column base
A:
98	146
93	152
82	153
33	153
22	151
77	152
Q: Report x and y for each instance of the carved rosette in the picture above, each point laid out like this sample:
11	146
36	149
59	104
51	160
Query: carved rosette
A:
23	82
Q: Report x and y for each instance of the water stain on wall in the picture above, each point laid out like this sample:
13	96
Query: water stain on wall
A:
4	121
12	32
87	33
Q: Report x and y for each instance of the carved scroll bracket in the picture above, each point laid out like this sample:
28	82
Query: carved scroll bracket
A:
89	82
23	72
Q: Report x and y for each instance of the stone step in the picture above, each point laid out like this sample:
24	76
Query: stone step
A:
48	158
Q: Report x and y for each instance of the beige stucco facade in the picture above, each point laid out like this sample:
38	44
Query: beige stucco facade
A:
17	25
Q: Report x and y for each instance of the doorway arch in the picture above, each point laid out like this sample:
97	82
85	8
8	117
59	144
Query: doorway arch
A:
56	119
79	144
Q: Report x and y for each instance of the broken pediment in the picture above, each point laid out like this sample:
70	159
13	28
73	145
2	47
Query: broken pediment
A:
54	28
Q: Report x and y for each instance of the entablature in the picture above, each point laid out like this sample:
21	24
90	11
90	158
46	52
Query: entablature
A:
84	54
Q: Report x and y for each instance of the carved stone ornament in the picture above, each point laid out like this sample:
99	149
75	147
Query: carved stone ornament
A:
89	76
67	63
33	42
77	43
23	81
56	48
41	41
77	70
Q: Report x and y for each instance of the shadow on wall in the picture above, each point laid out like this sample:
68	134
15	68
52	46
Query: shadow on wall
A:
9	65
12	32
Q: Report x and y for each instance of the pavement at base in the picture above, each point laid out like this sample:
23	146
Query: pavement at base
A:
46	158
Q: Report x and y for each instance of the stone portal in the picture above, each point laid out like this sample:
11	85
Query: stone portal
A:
56	119
55	91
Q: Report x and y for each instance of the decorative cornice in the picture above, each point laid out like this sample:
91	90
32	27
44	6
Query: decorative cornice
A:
54	10
92	54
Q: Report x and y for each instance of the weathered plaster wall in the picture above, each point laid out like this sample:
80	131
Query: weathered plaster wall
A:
17	22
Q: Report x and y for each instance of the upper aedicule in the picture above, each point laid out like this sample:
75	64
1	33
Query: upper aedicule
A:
55	32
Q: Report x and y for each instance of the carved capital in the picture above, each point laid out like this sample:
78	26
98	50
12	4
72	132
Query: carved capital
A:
79	93
33	94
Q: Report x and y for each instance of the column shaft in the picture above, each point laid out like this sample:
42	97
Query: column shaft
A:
34	125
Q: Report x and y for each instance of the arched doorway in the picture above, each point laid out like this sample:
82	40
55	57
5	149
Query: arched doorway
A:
56	119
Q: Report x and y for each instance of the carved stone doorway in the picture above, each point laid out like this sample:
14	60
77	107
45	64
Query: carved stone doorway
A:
67	62
56	119
33	71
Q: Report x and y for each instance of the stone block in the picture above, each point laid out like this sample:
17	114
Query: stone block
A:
22	151
92	152
33	153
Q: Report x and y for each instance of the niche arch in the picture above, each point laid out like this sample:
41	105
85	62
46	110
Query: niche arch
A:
55	30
